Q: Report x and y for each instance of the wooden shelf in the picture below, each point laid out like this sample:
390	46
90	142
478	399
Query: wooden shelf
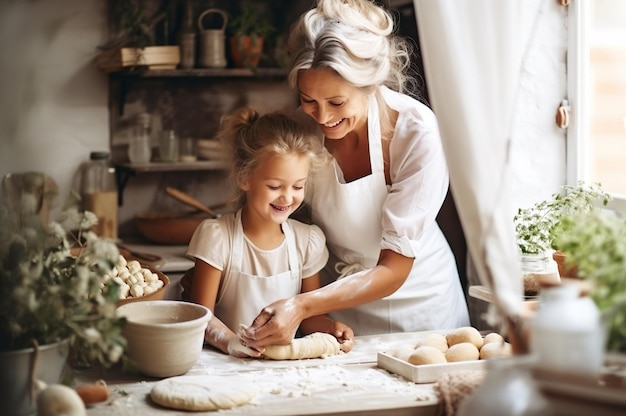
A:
172	166
202	73
125	171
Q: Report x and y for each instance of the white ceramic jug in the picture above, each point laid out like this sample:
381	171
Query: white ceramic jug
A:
212	41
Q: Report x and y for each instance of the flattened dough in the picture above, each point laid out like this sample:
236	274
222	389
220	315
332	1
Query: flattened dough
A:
315	345
199	393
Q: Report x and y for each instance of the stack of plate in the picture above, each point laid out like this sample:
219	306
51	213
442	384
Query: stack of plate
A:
211	149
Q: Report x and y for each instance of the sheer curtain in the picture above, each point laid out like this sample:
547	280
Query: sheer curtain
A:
472	52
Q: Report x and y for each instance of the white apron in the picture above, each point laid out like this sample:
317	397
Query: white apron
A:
350	214
243	295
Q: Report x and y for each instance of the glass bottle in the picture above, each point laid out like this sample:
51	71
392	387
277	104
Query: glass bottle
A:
99	193
187	38
567	332
139	148
507	390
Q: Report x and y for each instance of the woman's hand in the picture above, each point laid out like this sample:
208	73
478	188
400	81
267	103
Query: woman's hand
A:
275	325
344	335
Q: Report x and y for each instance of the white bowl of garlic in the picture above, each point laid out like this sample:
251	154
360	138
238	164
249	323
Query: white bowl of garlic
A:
137	282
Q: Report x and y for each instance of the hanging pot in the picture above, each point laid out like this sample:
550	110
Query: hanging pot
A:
20	370
212	49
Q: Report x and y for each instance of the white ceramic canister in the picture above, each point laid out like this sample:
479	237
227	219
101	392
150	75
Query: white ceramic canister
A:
567	332
212	41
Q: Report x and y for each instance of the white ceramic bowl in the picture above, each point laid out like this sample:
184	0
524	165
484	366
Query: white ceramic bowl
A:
165	337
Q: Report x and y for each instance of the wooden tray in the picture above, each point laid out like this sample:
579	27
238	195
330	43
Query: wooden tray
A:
425	373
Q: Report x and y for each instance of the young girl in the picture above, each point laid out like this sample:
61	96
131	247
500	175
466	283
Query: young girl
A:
257	255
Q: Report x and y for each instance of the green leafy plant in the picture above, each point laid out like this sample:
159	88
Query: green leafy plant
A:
595	243
250	21
50	281
537	227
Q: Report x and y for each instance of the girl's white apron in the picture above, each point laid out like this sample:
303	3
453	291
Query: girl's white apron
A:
243	295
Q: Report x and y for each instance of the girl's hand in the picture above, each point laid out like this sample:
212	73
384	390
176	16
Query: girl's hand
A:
275	325
237	349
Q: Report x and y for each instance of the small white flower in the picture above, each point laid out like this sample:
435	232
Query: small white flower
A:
115	353
71	219
92	335
56	230
89	220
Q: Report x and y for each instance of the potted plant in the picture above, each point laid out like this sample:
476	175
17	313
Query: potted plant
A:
51	297
133	40
247	32
595	244
536	227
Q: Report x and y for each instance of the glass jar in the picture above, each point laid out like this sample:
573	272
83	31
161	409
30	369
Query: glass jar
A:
508	390
99	193
168	146
139	148
538	270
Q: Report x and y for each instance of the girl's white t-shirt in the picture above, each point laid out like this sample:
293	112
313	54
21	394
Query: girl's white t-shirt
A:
212	241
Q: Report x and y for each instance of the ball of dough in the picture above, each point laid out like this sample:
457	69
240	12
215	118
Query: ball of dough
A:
402	352
464	351
465	334
493	337
434	340
427	355
495	350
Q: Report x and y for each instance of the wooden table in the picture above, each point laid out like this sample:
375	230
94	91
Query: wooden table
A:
346	384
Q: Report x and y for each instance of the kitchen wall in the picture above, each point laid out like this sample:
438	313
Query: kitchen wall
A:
54	102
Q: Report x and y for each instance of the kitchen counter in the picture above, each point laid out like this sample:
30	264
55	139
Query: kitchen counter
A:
348	383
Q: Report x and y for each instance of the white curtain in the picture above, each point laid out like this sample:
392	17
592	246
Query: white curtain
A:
472	52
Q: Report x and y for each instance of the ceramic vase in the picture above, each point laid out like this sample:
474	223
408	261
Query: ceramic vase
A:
21	367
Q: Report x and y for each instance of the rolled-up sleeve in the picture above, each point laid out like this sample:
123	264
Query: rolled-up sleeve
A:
419	177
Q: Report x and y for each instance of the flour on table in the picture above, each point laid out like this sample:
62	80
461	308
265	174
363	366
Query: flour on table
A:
199	393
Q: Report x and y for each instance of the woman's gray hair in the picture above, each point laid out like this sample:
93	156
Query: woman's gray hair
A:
354	38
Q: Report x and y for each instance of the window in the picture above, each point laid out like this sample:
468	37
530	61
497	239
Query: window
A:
597	92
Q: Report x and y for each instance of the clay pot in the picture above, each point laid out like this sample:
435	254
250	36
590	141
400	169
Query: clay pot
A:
246	51
564	271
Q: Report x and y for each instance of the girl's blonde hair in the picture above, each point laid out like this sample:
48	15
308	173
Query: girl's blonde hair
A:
251	138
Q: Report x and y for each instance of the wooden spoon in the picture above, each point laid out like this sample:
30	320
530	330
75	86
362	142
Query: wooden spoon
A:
190	200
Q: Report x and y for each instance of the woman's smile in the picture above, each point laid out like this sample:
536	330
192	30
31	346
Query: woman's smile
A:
334	124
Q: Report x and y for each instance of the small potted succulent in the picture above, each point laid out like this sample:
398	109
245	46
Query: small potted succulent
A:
51	296
595	244
537	227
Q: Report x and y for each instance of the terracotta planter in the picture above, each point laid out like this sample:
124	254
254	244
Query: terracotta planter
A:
245	51
17	366
564	271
